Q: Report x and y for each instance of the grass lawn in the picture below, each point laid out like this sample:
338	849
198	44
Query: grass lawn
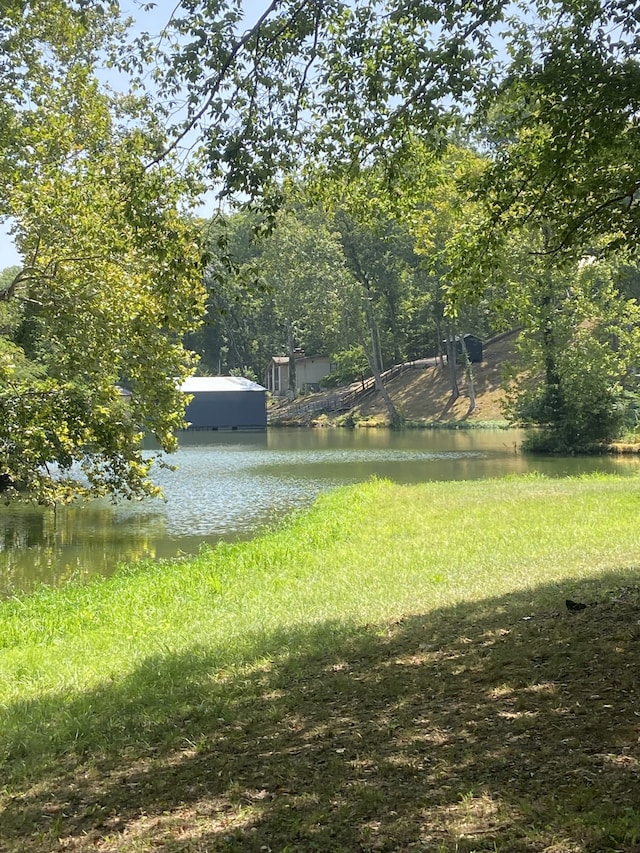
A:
395	670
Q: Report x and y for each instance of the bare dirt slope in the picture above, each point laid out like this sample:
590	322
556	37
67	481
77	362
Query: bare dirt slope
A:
423	394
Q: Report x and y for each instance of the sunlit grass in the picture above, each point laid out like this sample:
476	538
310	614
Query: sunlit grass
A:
362	554
198	678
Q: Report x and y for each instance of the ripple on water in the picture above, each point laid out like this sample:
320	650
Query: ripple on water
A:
230	486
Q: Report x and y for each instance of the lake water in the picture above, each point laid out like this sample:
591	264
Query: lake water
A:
229	485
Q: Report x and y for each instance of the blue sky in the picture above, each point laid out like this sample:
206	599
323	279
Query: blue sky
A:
8	254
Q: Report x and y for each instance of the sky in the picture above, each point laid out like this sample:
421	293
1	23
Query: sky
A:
8	254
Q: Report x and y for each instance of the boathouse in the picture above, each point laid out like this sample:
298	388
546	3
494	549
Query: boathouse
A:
225	403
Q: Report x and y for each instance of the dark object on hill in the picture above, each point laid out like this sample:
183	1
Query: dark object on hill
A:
574	606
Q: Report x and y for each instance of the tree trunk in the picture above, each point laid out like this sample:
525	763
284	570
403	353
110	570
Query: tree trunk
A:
373	357
394	417
453	364
469	376
439	339
554	397
291	393
372	326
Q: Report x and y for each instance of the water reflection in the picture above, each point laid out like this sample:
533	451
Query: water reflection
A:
227	486
42	546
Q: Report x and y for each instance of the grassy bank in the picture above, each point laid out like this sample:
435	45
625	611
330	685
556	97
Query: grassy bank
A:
395	670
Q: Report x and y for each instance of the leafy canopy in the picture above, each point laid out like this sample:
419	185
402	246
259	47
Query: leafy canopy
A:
111	275
98	190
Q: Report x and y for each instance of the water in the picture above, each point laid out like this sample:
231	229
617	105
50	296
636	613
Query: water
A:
230	485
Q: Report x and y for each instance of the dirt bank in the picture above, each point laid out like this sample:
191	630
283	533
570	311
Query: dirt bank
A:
421	395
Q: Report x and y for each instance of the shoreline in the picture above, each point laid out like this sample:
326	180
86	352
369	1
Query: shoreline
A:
616	447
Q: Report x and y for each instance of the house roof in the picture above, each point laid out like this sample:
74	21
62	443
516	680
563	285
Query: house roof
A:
284	359
195	384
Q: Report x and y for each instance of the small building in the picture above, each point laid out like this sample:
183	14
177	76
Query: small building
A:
310	371
225	402
124	393
473	345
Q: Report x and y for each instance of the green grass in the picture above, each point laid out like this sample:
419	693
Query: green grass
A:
393	670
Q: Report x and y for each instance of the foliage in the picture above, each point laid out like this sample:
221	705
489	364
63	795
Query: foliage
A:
303	266
554	111
300	276
563	127
350	364
290	280
579	349
111	274
370	96
343	266
239	309
324	81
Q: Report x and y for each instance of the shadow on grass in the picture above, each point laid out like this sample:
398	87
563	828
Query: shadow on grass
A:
506	725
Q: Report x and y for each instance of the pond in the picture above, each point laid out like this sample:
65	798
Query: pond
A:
228	486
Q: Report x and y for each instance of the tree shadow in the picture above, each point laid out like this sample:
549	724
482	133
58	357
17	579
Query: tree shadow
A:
504	725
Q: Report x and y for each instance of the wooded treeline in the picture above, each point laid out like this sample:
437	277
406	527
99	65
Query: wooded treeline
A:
324	283
384	174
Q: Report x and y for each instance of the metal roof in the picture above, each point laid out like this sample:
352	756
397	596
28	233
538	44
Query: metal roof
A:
195	384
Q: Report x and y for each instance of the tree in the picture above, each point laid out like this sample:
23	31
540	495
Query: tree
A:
578	351
349	84
283	292
111	278
346	85
356	242
319	81
304	269
441	209
563	128
237	335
